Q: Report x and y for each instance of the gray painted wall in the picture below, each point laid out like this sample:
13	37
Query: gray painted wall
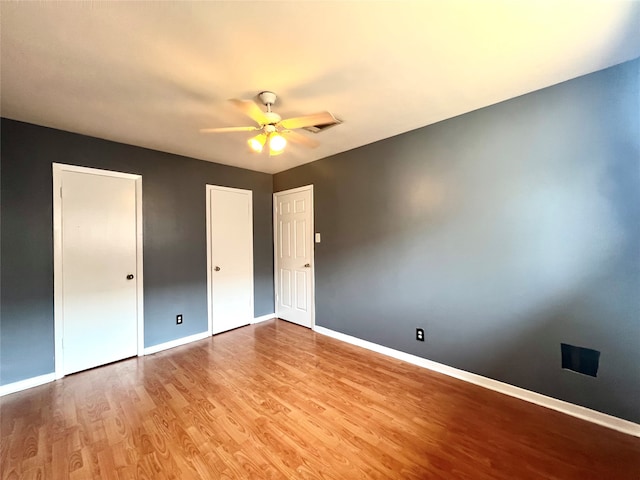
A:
502	232
175	259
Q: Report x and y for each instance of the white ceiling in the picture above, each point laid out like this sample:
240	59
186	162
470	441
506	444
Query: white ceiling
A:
153	73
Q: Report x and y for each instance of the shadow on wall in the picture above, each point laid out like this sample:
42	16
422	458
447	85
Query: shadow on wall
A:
503	233
495	235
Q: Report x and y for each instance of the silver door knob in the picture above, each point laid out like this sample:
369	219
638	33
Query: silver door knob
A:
307	265
217	269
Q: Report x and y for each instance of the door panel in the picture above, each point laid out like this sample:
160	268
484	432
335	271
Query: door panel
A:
301	239
285	288
294	251
99	303
301	291
231	256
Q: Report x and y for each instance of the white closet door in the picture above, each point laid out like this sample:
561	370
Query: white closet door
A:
99	277
231	257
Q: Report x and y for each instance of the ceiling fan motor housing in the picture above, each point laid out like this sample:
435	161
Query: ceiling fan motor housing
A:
272	118
268	98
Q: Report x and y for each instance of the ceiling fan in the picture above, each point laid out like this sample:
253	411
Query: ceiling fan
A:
275	131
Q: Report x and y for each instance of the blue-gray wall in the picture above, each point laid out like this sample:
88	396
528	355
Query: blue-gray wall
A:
175	256
502	232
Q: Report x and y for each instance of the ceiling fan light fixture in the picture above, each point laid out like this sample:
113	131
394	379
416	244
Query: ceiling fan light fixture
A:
257	143
276	143
273	128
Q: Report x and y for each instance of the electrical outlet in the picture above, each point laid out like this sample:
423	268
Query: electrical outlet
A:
179	319
420	334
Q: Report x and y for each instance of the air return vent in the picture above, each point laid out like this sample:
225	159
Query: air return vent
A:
322	128
580	359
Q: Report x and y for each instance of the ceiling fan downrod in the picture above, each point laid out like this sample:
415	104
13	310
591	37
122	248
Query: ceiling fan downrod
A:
268	99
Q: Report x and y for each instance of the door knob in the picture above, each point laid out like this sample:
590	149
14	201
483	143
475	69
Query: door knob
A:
217	269
130	276
307	265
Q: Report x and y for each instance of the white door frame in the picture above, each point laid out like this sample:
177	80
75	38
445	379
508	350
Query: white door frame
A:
210	188
311	250
58	320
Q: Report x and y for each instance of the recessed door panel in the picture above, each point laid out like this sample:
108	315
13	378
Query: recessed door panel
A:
301	291
299	205
301	239
285	288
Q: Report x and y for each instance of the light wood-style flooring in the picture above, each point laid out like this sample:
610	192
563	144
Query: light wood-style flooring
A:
278	401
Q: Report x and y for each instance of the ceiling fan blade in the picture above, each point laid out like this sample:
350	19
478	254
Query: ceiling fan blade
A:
321	118
228	129
296	137
251	110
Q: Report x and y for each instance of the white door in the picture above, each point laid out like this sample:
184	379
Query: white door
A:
230	257
293	227
98	301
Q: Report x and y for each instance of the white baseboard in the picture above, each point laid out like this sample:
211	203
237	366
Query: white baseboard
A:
28	383
175	343
578	411
264	318
50	377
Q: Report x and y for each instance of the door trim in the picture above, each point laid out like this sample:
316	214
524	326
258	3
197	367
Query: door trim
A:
209	189
57	170
312	301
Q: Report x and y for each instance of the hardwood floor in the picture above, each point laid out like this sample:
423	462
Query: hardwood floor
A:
277	401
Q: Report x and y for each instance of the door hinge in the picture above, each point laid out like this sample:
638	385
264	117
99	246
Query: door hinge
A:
60	192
